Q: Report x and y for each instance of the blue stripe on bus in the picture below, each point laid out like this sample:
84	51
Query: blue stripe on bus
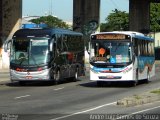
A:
114	70
144	37
145	61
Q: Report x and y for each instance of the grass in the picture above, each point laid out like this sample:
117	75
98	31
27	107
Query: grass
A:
137	97
156	91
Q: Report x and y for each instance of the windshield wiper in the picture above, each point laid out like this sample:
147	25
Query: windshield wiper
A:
22	61
117	47
34	60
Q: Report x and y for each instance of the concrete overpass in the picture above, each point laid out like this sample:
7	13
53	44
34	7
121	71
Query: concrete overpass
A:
86	15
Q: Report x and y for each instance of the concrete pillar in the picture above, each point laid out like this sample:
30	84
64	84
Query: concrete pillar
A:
10	18
139	15
10	21
0	25
86	15
86	19
155	1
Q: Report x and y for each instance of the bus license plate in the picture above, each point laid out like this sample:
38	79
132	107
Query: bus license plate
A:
29	77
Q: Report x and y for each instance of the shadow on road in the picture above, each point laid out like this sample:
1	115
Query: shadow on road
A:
37	83
111	84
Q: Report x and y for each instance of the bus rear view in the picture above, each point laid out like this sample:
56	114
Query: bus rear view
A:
112	58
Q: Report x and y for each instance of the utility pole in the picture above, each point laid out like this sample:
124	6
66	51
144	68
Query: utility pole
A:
50	7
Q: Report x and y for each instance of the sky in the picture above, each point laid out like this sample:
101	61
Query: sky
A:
63	9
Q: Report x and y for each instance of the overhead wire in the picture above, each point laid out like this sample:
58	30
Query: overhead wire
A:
115	4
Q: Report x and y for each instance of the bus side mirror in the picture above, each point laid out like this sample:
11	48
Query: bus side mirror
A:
51	45
7	45
134	56
88	52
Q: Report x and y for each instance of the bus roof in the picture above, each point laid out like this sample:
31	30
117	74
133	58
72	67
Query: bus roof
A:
44	32
131	33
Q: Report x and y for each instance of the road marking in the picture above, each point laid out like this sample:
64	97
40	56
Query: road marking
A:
77	113
125	116
59	88
22	96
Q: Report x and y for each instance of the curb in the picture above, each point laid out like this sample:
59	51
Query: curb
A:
140	99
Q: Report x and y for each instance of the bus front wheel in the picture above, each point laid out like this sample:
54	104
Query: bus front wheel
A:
57	77
22	83
135	82
100	83
148	77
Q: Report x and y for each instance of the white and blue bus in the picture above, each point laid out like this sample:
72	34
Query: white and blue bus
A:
121	56
46	55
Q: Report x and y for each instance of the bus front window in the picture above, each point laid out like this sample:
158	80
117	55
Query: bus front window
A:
110	52
39	51
19	51
30	52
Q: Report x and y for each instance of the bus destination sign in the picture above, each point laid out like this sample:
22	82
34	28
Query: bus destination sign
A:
110	36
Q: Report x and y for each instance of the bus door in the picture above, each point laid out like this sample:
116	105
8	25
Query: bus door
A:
62	62
71	63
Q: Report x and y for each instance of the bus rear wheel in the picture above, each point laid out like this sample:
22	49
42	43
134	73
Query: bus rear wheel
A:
75	78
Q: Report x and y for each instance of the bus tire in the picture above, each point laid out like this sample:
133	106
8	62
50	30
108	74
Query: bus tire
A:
75	78
57	77
22	83
100	83
148	77
135	82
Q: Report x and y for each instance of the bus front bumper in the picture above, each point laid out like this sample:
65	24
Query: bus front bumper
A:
111	76
30	76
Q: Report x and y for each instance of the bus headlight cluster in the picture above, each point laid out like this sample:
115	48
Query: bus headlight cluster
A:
93	71
127	70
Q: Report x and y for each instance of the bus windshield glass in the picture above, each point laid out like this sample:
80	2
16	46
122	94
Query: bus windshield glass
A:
110	52
30	51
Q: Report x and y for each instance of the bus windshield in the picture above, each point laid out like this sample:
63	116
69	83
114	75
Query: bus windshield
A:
30	51
110	52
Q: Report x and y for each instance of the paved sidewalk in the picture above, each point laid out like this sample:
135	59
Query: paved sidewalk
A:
5	70
140	99
4	76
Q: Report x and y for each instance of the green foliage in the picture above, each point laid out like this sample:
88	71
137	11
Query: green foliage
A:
155	17
117	20
51	21
156	91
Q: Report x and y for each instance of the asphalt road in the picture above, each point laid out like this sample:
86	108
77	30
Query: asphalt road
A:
73	101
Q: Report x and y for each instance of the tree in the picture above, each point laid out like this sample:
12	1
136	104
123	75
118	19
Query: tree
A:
117	20
155	17
51	21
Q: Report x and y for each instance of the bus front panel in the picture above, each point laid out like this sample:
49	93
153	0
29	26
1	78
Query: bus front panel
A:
111	74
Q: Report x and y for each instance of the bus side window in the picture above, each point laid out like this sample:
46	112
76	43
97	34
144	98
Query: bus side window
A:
59	43
70	58
136	47
61	60
21	55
